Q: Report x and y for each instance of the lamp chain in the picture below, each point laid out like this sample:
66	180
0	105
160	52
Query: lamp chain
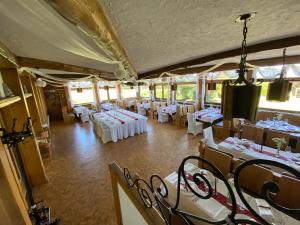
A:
283	69
242	65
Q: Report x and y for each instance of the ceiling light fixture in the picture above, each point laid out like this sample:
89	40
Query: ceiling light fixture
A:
280	89
240	99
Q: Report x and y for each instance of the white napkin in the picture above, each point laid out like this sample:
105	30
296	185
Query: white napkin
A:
264	209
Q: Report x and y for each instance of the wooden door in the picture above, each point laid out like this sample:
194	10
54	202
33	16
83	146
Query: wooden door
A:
54	105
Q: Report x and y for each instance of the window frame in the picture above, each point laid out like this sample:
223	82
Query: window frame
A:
136	95
258	80
85	88
163	86
185	83
140	92
107	92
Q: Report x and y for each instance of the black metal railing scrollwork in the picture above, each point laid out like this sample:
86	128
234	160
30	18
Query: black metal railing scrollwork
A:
155	193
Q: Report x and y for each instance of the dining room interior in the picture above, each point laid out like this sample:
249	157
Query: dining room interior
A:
149	112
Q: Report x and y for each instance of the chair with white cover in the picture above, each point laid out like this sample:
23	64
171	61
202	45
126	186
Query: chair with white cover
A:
105	133
194	127
162	117
141	109
208	135
163	104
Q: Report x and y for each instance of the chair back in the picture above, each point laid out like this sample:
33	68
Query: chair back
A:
253	133
270	134
253	177
191	108
163	104
184	110
190	117
208	135
288	184
235	123
297	149
219	159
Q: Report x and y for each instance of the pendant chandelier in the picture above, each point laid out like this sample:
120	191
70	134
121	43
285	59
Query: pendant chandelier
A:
280	89
240	99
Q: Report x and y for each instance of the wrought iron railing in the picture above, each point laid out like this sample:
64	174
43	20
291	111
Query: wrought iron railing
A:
155	193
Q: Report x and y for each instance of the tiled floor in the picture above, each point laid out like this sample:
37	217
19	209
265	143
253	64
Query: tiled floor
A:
79	188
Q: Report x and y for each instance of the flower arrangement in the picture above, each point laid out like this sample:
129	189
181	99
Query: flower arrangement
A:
279	142
279	116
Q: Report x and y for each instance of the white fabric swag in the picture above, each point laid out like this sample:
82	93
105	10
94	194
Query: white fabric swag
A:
44	22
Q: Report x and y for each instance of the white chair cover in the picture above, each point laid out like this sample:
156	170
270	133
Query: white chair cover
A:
141	109
162	117
194	127
208	135
85	115
105	133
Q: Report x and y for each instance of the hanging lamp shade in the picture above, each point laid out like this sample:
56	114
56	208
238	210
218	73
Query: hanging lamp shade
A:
240	101
211	86
151	87
241	98
280	89
173	87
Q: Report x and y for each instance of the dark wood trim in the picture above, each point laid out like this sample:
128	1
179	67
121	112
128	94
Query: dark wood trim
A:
233	66
7	58
264	46
151	216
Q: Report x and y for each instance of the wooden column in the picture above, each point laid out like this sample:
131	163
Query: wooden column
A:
31	100
119	91
200	92
19	110
39	101
44	104
97	96
68	97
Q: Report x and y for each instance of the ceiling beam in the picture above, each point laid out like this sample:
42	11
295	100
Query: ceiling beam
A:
265	46
234	66
45	64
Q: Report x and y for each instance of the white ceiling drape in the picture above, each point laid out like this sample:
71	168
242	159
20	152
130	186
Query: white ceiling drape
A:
37	17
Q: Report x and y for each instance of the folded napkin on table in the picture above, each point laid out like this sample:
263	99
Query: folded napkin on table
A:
264	209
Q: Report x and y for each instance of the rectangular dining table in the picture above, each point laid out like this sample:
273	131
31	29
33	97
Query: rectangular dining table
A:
218	206
233	146
122	123
209	115
279	125
81	112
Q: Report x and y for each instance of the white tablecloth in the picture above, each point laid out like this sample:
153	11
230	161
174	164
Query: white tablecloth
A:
212	208
122	123
145	105
168	109
231	145
82	112
280	126
107	106
209	115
